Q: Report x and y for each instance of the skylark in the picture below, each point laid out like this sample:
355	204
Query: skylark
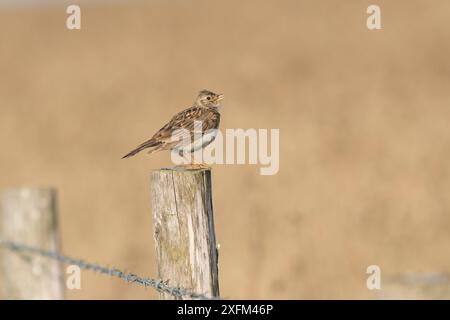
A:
189	130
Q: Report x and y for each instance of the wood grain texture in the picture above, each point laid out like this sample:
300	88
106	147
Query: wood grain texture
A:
183	230
28	216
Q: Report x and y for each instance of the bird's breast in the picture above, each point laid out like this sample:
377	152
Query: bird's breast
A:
200	142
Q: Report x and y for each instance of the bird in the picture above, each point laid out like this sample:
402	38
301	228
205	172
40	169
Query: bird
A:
195	126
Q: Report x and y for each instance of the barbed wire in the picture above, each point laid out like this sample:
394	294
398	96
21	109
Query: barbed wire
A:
158	285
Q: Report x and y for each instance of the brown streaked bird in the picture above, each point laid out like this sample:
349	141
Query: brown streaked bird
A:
205	110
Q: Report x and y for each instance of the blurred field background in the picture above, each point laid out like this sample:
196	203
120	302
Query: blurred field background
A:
364	126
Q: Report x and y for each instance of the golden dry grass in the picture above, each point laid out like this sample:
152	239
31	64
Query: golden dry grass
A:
364	128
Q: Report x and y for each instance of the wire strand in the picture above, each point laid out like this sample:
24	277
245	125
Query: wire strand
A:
158	285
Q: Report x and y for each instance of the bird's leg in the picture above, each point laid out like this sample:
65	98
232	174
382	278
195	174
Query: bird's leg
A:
186	164
189	163
197	166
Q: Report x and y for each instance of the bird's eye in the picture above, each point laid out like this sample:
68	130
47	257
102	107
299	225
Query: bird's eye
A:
208	98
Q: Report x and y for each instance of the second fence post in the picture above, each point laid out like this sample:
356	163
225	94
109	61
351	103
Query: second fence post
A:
183	229
28	217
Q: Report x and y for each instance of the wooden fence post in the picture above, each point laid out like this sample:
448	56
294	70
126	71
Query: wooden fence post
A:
183	230
28	216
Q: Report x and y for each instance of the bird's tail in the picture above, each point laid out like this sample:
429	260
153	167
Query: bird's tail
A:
145	145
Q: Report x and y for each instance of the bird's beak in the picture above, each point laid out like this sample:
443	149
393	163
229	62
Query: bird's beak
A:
219	97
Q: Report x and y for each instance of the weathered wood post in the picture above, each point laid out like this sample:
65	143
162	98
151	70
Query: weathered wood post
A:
28	216
183	229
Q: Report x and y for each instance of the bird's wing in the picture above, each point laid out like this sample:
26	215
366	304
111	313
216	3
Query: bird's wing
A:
180	130
182	126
